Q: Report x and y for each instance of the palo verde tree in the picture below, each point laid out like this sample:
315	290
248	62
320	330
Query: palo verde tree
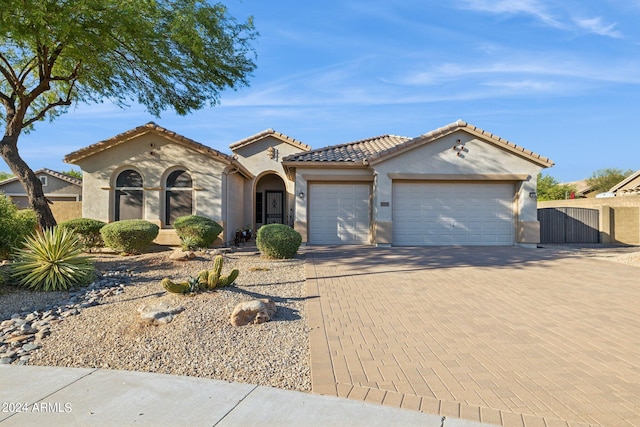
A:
178	54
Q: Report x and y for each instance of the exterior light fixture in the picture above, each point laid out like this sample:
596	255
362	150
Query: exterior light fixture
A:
301	194
533	195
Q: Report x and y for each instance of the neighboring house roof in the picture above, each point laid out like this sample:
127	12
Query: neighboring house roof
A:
269	132
151	127
375	150
62	176
582	186
355	152
625	182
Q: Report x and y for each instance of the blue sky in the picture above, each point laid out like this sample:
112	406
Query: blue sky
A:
560	78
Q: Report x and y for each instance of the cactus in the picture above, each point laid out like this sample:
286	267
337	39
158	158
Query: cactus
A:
176	288
203	278
229	279
214	275
206	279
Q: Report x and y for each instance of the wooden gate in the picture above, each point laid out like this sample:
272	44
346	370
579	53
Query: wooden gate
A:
569	225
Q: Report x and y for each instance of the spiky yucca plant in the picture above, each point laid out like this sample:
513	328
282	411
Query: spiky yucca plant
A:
52	261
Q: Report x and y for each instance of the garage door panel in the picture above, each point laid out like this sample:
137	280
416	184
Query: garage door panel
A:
339	213
453	214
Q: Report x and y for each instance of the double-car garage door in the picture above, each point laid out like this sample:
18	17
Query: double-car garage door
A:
424	213
466	213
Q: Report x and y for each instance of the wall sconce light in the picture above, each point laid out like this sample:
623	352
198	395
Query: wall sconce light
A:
533	195
301	194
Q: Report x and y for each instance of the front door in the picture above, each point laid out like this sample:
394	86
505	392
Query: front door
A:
274	206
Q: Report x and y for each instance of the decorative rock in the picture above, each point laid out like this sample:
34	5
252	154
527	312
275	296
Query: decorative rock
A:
18	338
254	311
182	255
18	333
160	314
30	347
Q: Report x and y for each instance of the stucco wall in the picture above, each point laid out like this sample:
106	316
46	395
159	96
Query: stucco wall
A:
64	211
234	197
256	158
154	157
478	158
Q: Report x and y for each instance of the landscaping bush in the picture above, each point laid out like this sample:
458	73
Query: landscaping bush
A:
278	241
130	236
87	230
52	261
15	225
196	231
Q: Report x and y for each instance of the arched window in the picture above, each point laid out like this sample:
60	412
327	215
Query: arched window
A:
128	195
178	196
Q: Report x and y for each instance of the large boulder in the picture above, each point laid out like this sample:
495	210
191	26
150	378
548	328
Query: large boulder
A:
253	312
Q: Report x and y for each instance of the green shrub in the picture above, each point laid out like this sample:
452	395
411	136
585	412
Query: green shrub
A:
130	236
15	225
87	230
278	241
196	231
52	261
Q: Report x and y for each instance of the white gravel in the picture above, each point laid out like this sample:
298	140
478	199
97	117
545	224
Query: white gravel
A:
200	341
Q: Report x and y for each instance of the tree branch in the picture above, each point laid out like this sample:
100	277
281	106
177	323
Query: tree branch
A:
8	72
43	112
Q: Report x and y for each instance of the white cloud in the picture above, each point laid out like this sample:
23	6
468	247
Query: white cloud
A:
534	8
546	12
596	26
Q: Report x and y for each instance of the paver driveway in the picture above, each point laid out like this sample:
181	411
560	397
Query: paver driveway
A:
511	336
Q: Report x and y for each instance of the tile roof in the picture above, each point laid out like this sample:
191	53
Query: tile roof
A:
358	151
377	149
62	176
269	132
152	127
625	181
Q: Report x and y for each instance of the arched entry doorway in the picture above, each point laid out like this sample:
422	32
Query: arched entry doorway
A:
270	201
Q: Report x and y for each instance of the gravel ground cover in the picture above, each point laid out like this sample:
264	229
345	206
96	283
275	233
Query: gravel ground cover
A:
199	341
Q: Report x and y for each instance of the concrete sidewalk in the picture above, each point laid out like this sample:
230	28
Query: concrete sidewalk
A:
35	395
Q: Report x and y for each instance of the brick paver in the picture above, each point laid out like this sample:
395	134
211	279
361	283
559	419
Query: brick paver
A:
510	336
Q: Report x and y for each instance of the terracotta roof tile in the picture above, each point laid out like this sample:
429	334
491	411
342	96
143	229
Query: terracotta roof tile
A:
152	127
374	150
357	151
270	132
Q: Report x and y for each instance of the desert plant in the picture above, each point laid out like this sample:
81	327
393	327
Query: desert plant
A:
205	280
131	236
15	225
88	231
278	241
211	279
196	231
52	261
175	288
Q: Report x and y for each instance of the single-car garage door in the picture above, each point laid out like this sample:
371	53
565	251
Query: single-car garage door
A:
339	213
453	213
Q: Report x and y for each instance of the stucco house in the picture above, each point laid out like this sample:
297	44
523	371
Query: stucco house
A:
630	186
57	187
456	185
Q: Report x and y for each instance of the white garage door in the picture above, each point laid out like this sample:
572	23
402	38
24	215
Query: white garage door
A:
453	214
339	213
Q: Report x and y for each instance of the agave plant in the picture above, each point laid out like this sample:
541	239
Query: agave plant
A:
52	261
